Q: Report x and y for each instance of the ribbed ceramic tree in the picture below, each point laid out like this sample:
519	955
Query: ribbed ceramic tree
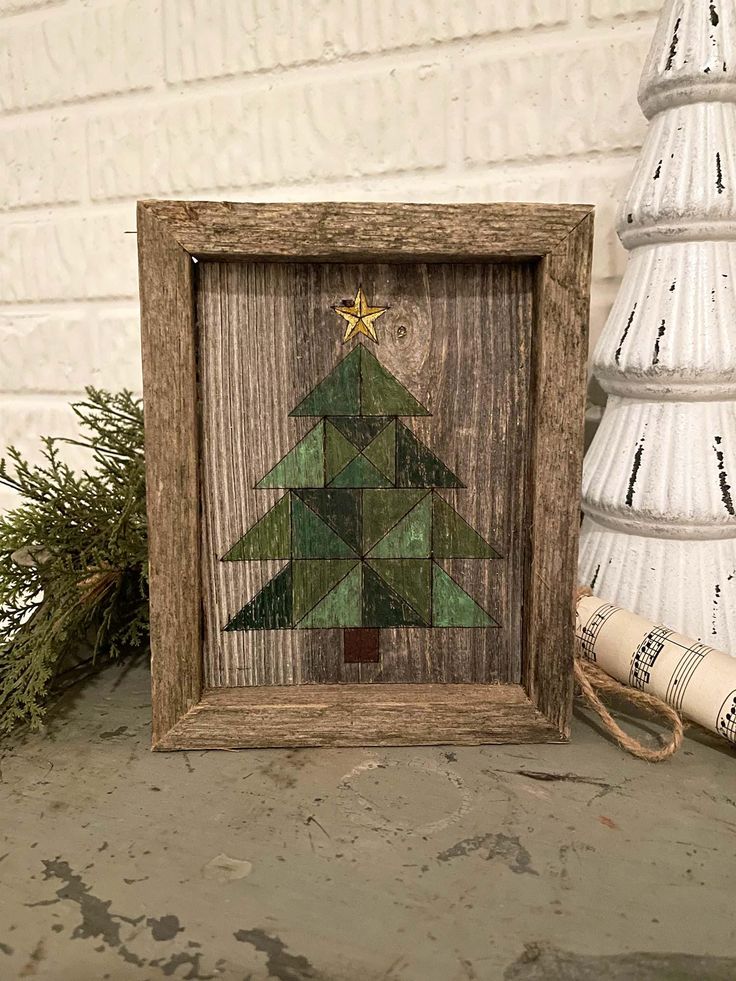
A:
659	493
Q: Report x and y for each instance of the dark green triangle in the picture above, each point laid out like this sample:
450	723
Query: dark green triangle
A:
360	473
416	466
452	536
452	606
312	579
269	538
382	452
381	394
360	430
382	607
411	537
382	509
340	508
338	452
268	610
411	579
336	395
341	607
311	538
304	466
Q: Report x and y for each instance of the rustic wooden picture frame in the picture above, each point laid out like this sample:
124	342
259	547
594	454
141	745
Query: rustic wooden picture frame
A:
557	240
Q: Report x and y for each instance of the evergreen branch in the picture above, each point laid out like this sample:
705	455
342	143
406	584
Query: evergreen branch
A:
73	558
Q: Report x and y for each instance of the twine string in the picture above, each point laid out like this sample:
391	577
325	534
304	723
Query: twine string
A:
592	679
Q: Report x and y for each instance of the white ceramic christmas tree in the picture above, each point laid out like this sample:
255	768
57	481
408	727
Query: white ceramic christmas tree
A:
659	490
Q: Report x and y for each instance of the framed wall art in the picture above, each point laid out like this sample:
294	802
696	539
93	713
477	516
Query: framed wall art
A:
363	444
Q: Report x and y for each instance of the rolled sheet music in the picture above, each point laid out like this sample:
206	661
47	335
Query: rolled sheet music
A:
695	679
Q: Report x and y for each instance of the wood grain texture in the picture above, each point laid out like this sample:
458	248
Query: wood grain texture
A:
169	234
360	715
457	336
382	232
172	470
560	344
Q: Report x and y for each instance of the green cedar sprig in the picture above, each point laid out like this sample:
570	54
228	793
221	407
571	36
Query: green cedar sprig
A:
73	559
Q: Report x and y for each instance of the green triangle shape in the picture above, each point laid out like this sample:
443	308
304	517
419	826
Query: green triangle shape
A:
416	466
311	538
452	536
269	538
338	452
381	394
411	579
360	430
382	509
452	606
341	607
336	395
382	607
340	508
382	451
268	610
411	537
312	579
360	473
304	466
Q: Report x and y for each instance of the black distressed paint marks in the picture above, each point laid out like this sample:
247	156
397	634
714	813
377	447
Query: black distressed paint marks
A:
634	473
660	335
720	186
506	847
658	171
723	476
672	288
279	963
594	580
99	922
673	46
716	597
624	335
545	961
713	15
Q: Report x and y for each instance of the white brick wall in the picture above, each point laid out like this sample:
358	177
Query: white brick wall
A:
438	100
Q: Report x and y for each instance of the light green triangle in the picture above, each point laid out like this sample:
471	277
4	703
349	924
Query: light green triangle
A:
312	579
341	607
336	395
269	538
411	580
382	451
411	537
311	538
452	606
338	451
382	509
360	473
304	466
452	536
381	394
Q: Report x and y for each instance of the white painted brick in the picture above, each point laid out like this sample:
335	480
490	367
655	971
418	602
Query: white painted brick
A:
214	38
73	54
22	423
565	101
331	128
610	9
65	352
69	257
42	163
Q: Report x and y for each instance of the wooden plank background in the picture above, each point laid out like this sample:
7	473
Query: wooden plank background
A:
457	336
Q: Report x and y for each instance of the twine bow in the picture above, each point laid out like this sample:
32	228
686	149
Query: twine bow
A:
591	679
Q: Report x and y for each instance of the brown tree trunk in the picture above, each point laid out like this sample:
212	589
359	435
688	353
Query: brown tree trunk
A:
361	645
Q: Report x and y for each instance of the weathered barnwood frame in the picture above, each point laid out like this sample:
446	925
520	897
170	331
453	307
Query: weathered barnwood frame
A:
557	239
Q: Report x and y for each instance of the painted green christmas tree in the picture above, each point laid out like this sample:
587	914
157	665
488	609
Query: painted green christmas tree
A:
361	524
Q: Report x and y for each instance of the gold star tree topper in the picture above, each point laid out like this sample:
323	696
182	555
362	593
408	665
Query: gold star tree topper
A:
360	317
